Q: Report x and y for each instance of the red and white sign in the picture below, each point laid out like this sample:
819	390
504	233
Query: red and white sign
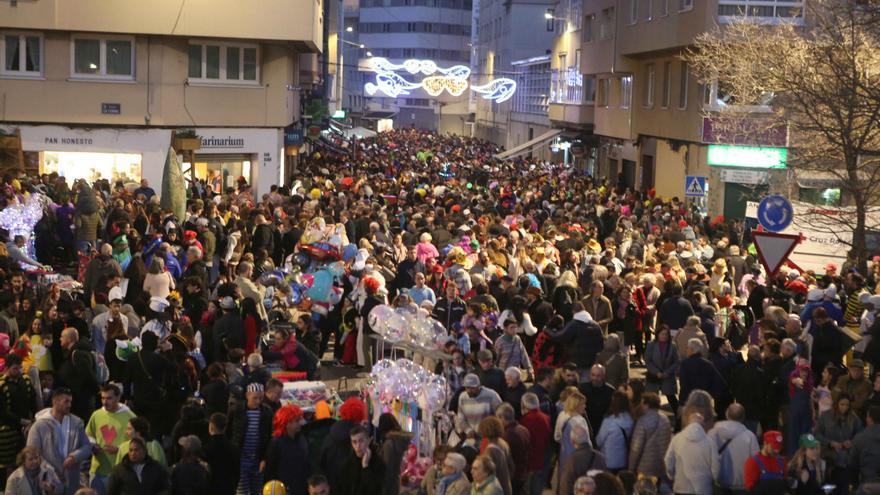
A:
774	249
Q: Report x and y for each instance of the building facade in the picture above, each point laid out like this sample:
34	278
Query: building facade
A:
97	88
399	30
653	121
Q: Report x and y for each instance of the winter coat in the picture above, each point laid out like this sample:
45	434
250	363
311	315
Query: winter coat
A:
17	483
237	428
660	362
864	456
287	460
582	460
222	456
750	388
154	479
616	367
830	427
500	454
393	448
449	312
490	486
692	461
650	439
599	310
613	439
738	444
697	372
43	436
583	337
257	293
354	479
538	425
336	449
77	372
519	440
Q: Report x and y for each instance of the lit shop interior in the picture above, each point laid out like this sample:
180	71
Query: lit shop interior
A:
74	165
219	171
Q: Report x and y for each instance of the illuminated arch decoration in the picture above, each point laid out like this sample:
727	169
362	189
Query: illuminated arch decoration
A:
453	79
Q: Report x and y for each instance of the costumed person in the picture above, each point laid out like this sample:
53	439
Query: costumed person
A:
287	457
17	409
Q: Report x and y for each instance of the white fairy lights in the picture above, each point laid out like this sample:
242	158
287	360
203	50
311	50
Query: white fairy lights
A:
453	80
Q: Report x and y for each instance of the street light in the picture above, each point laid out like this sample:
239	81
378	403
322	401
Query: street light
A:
369	53
548	15
349	29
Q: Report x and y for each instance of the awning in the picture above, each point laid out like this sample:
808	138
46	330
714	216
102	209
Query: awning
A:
528	145
818	179
360	133
379	115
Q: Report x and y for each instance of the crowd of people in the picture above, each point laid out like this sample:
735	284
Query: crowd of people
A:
600	340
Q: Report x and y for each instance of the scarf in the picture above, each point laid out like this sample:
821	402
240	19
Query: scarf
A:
446	481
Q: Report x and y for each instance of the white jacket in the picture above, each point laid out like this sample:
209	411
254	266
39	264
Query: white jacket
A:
692	461
732	459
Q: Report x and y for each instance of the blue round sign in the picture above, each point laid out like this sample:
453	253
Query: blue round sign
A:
775	213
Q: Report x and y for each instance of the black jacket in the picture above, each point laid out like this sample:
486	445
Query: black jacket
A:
287	460
750	388
222	456
190	478
77	373
493	378
263	238
335	449
697	372
124	481
147	373
237	428
355	480
449	312
583	339
598	402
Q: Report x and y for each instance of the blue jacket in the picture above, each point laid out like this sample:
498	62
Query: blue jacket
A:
613	440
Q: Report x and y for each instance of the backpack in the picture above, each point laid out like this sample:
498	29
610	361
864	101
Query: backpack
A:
102	372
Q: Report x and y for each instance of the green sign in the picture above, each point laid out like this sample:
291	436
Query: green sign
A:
339	114
747	156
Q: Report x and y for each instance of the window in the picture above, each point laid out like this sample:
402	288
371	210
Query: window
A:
223	63
664	7
780	10
602	97
634	11
104	57
707	94
626	91
21	54
588	28
648	100
576	14
650	10
683	86
589	89
667	85
685	5
606	27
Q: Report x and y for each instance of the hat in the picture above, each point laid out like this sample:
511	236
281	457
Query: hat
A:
484	355
190	443
189	235
158	304
808	440
774	438
470	380
831	267
115	294
255	387
856	363
322	410
227	303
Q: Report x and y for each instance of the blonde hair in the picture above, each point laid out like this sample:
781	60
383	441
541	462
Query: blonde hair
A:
567	279
574	399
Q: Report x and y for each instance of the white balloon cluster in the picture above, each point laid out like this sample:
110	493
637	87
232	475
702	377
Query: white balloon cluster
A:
403	326
408	382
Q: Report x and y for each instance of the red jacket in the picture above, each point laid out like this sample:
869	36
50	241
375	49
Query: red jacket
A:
752	472
538	425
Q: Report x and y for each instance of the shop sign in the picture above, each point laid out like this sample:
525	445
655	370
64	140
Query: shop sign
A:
293	136
744	131
744	176
209	142
747	156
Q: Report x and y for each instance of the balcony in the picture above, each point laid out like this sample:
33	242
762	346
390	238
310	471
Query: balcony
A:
571	97
194	18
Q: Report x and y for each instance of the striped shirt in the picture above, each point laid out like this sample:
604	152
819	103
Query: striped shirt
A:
251	435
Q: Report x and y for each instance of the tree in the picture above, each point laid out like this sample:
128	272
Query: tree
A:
821	80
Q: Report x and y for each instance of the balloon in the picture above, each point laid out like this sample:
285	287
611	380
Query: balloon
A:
379	317
349	252
395	328
272	278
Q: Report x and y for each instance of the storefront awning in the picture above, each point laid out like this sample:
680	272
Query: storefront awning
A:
528	145
818	179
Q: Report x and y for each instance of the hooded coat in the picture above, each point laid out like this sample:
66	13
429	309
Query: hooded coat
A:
584	338
692	461
43	435
738	444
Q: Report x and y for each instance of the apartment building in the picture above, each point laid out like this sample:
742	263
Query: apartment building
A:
509	31
96	88
399	30
653	121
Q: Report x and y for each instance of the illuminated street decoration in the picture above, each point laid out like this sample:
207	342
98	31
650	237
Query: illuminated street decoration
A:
497	90
19	219
434	85
453	79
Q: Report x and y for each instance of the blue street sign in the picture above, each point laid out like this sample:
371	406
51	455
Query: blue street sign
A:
694	186
775	213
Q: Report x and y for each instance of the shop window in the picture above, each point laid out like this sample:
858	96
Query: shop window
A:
21	54
125	167
227	63
103	57
824	197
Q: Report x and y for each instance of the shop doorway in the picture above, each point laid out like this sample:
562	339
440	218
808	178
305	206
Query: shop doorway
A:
221	171
629	174
647	172
736	195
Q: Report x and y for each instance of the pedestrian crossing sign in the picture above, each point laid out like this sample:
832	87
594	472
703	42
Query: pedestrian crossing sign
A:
695	186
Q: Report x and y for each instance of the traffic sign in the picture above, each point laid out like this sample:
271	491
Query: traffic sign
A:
695	186
775	213
774	249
